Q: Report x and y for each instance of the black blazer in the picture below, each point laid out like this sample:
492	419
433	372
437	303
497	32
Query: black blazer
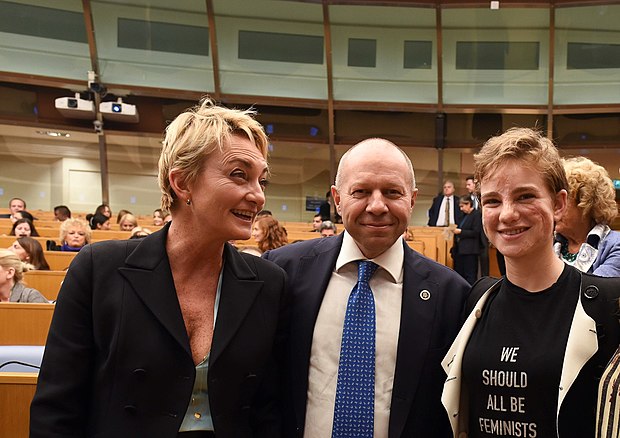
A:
118	362
433	212
427	329
469	241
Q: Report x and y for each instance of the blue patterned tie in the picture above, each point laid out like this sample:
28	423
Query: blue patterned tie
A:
355	390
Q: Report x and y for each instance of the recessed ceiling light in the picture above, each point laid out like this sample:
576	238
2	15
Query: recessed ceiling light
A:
54	133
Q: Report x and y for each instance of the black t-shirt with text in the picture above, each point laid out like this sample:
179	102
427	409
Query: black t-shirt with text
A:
513	361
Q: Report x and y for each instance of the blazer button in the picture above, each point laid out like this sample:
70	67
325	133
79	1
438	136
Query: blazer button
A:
131	409
478	313
591	292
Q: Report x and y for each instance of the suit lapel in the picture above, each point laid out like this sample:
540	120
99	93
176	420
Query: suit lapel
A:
239	291
416	322
148	272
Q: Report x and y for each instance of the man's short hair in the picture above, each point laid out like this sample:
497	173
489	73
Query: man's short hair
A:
63	211
17	199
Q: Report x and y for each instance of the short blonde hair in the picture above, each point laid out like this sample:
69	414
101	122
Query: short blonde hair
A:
198	132
526	145
74	222
590	186
128	217
8	259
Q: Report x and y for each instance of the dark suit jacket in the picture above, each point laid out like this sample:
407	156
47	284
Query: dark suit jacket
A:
469	242
118	363
433	212
427	328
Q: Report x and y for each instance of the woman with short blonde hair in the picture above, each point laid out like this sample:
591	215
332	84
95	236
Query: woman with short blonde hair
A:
583	237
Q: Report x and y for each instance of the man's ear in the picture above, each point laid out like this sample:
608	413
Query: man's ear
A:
179	185
336	198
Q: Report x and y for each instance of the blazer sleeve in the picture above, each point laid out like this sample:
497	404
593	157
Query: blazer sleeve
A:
61	403
607	264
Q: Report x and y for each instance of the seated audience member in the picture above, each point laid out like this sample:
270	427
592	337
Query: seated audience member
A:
583	238
11	274
29	250
24	227
268	233
105	210
167	218
98	221
74	235
62	213
15	205
139	233
128	222
317	220
158	217
263	213
120	215
328	229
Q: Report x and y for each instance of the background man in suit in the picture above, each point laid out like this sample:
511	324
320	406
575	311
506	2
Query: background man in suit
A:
467	241
445	208
417	305
483	257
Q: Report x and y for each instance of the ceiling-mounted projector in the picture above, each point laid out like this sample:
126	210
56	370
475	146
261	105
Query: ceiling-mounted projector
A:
119	111
75	107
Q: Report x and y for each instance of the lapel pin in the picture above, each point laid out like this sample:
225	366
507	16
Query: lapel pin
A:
425	295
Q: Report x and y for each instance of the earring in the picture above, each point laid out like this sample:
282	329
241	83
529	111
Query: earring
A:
188	202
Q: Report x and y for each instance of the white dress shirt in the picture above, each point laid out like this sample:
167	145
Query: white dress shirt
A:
387	287
441	218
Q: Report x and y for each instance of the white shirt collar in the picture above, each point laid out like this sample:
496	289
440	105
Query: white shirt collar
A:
391	260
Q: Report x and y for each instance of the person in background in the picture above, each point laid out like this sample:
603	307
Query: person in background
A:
30	251
128	222
317	220
105	210
24	227
466	245
11	275
325	209
483	257
122	212
268	233
74	235
328	229
445	208
158	217
583	238
15	205
62	213
608	408
167	218
176	334
532	350
98	221
402	312
408	234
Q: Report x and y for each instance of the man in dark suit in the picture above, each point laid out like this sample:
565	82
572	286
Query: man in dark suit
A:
483	257
445	208
466	246
416	305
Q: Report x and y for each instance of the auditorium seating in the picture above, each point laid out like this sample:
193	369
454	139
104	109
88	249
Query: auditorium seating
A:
16	392
46	282
25	323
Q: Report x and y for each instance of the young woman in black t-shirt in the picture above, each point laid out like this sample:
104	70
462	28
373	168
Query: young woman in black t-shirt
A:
528	358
